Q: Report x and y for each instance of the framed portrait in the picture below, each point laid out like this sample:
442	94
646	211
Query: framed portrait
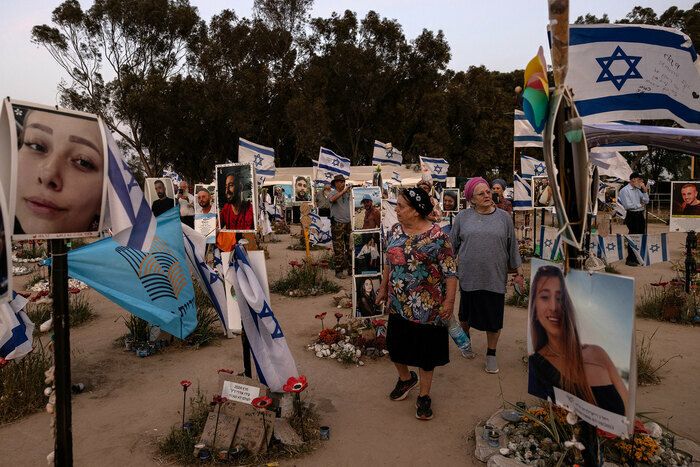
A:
303	189
5	252
282	194
57	163
580	340
367	208
364	294
237	197
366	253
205	210
685	206
160	194
449	200
542	194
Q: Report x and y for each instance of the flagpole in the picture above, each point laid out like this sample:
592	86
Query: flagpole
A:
63	455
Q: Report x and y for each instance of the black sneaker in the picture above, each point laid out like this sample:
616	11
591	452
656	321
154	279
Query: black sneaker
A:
402	387
423	410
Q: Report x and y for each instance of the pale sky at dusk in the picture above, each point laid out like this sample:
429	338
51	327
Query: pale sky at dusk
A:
502	35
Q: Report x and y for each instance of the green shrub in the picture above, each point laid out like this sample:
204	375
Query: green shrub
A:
179	444
646	367
22	385
520	300
208	328
80	309
302	279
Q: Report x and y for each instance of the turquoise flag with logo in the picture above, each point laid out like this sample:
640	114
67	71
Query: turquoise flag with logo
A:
154	285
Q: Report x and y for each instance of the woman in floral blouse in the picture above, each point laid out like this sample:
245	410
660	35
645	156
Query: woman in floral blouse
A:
418	286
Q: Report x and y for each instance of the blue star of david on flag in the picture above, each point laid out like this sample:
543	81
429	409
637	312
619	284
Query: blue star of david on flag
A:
611	246
335	162
539	169
618	80
258	160
654	248
548	243
329	175
389	154
437	169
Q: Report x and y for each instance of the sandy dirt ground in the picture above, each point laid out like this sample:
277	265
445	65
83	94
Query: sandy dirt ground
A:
131	402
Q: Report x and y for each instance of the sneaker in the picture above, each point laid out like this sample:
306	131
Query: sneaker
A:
491	364
402	387
423	410
340	275
468	353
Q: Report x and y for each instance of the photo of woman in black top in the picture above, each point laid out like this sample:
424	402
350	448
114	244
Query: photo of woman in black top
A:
559	359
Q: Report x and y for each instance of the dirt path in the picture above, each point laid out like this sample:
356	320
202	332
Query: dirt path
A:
134	401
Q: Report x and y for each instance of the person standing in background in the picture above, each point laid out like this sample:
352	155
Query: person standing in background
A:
186	201
498	186
634	198
339	198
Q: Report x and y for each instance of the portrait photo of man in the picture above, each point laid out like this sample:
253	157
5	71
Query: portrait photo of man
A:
157	193
688	204
236	197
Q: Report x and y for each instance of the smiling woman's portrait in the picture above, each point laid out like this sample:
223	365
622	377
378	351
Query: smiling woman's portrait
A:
60	173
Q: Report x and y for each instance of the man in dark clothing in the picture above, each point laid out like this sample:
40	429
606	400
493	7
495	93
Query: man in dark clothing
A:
163	203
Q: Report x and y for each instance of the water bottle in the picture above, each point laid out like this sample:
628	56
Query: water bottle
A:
460	337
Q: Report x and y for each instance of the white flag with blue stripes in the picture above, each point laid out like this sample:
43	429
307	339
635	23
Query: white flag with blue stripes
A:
262	158
531	167
16	329
389	218
320	230
130	217
395	176
436	168
623	71
209	280
331	164
649	249
273	359
385	153
522	194
524	136
550	243
612	248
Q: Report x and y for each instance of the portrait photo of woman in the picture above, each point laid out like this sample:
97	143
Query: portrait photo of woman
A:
366	297
450	200
61	162
559	356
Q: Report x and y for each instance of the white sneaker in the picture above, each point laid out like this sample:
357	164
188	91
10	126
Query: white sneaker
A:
468	353
491	364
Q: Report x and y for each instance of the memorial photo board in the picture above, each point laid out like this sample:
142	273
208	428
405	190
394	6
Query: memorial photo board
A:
685	207
364	294
366	253
160	194
236	197
367	208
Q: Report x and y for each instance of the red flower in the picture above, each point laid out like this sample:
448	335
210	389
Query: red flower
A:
3	362
218	400
640	428
185	384
395	256
378	322
296	385
261	403
225	370
74	290
659	284
321	315
605	434
338	315
294	263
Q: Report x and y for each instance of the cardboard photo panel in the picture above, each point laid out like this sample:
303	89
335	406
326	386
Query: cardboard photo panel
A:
237	197
160	194
685	206
367	208
364	294
366	253
57	164
449	200
303	189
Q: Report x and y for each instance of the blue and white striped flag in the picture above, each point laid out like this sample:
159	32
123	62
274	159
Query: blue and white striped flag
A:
385	153
612	247
524	136
331	164
262	158
436	168
209	280
649	249
389	218
623	71
320	230
395	176
130	217
531	167
273	359
522	194
550	243
16	329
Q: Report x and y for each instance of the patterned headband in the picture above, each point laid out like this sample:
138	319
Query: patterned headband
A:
419	200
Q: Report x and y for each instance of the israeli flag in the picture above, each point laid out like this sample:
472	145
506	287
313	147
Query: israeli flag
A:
320	230
209	280
597	246
531	167
612	248
524	136
273	359
550	243
385	153
436	168
262	158
331	164
623	71
129	216
16	329
649	249
389	218
522	194
395	176
168	172
612	164
154	285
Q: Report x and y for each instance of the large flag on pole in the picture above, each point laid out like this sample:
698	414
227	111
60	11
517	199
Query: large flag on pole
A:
385	153
524	136
209	280
130	217
623	71
522	194
262	158
273	359
154	285
16	329
331	164
531	167
436	168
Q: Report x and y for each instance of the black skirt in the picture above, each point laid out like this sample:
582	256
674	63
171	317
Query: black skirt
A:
421	345
482	309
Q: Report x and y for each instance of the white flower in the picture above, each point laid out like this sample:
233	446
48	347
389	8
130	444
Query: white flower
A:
574	443
571	418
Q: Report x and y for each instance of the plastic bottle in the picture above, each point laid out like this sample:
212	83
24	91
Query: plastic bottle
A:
460	337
